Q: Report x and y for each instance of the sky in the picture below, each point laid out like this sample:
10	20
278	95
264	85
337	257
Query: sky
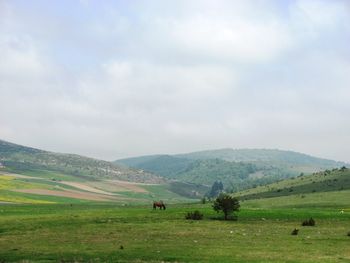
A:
114	79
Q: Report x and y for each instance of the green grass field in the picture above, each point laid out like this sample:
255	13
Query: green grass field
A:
95	232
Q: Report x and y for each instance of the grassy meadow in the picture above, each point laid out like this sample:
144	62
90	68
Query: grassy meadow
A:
105	232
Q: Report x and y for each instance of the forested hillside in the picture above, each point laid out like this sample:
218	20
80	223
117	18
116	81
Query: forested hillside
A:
237	168
267	156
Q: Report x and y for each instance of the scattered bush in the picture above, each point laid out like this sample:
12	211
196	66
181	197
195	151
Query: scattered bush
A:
295	232
203	200
349	234
310	222
196	215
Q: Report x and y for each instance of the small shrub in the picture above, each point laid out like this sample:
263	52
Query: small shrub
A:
310	222
295	232
196	215
349	234
203	200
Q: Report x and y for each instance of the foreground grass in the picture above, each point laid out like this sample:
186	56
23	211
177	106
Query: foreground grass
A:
96	232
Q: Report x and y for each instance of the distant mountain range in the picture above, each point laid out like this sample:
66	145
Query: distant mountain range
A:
236	168
17	158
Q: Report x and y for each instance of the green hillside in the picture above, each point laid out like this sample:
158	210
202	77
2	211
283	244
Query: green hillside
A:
237	168
326	181
24	160
138	161
234	175
268	156
231	174
164	165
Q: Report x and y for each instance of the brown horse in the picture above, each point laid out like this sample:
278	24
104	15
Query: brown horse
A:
159	204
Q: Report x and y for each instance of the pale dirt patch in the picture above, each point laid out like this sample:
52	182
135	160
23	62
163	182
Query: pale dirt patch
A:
19	175
107	186
128	186
5	203
71	194
86	187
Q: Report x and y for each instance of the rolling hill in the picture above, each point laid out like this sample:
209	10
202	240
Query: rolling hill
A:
21	159
237	168
164	165
326	181
268	156
29	175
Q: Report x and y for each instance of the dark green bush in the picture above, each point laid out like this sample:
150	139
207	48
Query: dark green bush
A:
196	215
227	204
295	232
310	222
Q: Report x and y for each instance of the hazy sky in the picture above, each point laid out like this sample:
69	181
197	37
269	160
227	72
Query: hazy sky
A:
112	79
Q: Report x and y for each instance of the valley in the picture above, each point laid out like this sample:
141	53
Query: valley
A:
51	213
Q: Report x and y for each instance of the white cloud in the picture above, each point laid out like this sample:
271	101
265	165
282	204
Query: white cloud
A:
321	14
121	79
230	40
19	58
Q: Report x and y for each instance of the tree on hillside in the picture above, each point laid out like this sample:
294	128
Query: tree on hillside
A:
227	204
216	189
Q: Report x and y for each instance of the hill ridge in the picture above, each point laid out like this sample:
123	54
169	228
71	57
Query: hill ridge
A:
16	157
231	166
324	181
